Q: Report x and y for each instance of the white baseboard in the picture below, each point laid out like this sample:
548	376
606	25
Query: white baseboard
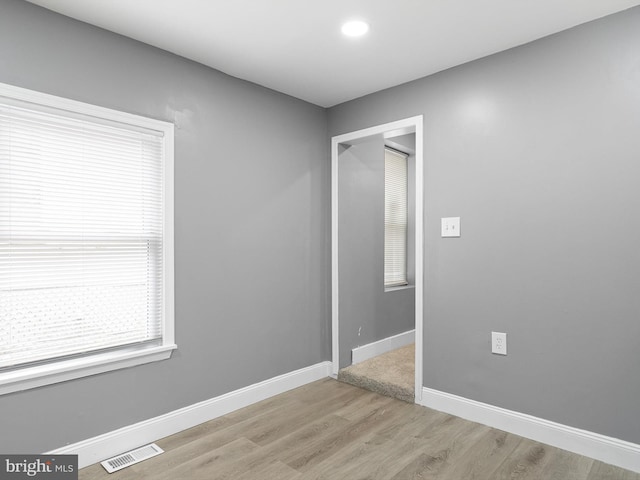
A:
606	449
365	352
113	443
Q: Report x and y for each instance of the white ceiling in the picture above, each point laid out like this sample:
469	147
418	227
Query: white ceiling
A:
295	46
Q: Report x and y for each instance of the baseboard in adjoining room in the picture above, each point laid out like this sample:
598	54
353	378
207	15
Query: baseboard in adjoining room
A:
370	350
594	445
96	449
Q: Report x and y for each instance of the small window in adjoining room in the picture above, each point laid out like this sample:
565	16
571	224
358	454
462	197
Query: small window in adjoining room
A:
395	218
86	239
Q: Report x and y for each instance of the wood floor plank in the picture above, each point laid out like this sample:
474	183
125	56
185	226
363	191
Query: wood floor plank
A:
305	437
433	461
332	431
261	428
603	471
273	471
567	466
418	421
484	457
219	463
289	421
444	441
306	458
325	390
389	448
526	462
250	413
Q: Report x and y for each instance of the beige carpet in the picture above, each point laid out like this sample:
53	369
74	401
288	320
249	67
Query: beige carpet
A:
391	374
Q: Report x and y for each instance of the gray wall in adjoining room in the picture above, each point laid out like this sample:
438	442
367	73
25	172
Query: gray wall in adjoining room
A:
252	226
367	313
537	150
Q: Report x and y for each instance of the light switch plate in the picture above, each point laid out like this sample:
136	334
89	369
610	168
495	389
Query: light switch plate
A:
451	227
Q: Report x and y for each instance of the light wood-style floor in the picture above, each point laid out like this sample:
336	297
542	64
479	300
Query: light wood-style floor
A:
331	430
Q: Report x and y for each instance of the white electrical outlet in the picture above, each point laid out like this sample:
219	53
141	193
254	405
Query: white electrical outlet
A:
499	343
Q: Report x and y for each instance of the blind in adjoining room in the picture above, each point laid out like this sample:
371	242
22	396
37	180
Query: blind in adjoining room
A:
395	218
80	234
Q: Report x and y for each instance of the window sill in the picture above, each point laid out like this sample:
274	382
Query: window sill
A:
32	377
399	287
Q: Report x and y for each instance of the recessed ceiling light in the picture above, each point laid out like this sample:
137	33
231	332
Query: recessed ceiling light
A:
355	28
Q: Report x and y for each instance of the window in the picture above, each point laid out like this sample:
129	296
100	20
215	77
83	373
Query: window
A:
395	218
86	249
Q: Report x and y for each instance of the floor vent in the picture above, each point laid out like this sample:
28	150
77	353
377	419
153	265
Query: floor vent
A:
134	456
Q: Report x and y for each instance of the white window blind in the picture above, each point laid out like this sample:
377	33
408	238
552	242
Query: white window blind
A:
81	234
395	218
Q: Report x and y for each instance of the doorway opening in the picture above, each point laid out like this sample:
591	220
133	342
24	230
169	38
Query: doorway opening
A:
345	152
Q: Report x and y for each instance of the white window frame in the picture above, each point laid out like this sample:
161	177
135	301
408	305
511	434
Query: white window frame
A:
55	371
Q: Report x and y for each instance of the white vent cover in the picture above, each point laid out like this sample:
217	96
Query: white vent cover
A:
134	456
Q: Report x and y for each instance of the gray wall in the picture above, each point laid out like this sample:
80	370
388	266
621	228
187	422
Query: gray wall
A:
367	312
537	149
252	226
